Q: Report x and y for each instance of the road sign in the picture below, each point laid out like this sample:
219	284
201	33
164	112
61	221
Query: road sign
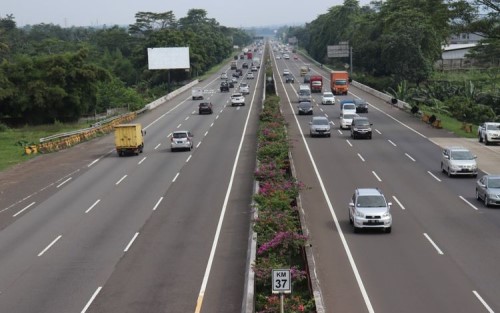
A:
282	281
337	51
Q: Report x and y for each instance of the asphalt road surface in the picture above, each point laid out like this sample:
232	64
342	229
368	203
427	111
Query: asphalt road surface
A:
443	252
84	230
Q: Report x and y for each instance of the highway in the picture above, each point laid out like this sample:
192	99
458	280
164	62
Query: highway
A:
443	251
159	232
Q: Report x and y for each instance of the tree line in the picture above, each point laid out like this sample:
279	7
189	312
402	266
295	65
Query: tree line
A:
49	73
396	44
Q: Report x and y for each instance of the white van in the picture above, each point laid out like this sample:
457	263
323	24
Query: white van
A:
197	93
305	93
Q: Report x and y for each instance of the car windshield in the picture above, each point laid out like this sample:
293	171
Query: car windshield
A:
304	104
348	116
461	155
362	122
371	201
328	95
320	122
494	183
349	106
180	135
493	127
341	82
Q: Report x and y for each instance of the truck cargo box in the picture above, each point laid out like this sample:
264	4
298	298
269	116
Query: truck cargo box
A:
129	139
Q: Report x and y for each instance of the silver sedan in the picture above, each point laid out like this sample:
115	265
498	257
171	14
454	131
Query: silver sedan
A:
488	189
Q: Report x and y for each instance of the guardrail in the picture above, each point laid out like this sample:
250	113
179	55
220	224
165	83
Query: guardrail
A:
68	139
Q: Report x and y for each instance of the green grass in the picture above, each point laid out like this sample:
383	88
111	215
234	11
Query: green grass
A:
452	125
12	141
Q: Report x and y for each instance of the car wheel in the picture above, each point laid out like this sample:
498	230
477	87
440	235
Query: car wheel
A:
329	135
486	142
442	167
480	138
172	149
350	219
311	134
370	137
477	195
448	171
356	229
388	230
486	201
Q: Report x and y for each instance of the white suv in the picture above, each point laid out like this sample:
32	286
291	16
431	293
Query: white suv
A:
244	88
489	133
458	161
237	99
369	209
181	140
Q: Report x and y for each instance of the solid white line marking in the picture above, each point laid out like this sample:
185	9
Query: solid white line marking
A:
399	203
361	157
178	126
25	208
50	245
357	275
339	131
189	158
326	115
64	182
121	179
206	133
193	112
211	124
348	142
199	143
378	131
131	242
332	123
93	162
375	174
92	206
158	145
217	117
203	287
409	157
140	162
483	302
175	178
392	143
470	204
157	204
91	300
433	244
187	118
169	135
435	177
321	109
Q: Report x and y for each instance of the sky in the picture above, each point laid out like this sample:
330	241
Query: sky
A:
229	13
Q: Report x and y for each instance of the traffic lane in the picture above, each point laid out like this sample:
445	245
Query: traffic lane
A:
343	166
384	248
180	235
225	286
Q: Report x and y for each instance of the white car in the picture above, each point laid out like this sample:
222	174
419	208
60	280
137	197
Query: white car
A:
244	89
250	75
286	72
327	98
286	56
181	140
458	161
489	133
254	68
237	99
348	108
346	120
278	57
368	208
223	76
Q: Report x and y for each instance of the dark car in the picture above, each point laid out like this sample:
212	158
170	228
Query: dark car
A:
244	65
205	108
361	128
307	78
230	83
361	106
305	108
289	78
224	86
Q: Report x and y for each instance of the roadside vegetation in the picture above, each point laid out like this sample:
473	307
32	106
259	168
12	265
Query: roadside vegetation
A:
396	44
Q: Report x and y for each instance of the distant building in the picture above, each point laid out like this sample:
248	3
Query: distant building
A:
464	38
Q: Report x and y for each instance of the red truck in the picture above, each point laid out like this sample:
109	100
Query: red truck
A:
249	55
339	82
316	83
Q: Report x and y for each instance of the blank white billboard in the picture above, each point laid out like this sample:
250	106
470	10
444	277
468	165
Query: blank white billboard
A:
168	58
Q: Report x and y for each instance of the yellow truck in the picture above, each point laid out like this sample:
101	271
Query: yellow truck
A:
129	139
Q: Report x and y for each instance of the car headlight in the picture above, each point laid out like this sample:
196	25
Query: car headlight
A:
493	195
386	214
359	214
